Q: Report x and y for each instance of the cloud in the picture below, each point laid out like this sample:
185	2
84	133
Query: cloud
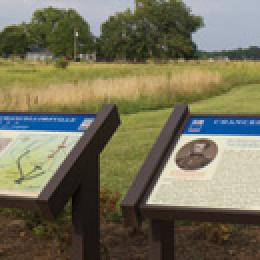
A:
95	12
229	23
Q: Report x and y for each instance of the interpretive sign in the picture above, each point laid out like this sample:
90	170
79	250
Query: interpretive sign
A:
214	165
47	159
32	147
202	167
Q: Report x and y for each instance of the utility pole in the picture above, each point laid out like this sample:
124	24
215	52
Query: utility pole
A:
76	35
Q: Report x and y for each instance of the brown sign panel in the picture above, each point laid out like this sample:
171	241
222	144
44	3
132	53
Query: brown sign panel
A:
204	167
147	173
43	157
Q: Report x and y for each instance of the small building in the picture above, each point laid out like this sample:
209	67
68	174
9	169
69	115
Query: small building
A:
222	58
91	57
39	54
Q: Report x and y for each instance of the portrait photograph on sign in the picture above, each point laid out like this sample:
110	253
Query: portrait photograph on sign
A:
195	158
32	148
196	155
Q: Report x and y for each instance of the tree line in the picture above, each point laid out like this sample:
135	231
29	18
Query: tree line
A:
251	53
155	29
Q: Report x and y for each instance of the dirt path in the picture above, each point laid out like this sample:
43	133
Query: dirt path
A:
17	242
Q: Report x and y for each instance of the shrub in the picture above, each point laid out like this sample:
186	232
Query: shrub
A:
109	206
61	64
109	212
216	232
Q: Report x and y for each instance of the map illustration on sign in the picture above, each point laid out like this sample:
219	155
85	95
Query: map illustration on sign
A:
30	157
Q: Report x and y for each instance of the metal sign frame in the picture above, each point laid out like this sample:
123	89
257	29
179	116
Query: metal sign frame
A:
131	205
162	218
77	178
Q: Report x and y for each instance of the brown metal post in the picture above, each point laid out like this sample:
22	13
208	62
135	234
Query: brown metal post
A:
85	215
162	242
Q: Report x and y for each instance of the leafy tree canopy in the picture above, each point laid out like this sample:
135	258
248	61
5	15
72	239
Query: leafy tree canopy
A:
55	28
13	40
155	29
50	28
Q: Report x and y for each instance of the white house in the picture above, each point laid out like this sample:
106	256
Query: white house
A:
39	54
88	57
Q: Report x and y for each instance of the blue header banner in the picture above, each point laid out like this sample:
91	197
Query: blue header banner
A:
210	125
45	122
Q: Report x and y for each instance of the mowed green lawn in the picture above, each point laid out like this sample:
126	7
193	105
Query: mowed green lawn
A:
124	155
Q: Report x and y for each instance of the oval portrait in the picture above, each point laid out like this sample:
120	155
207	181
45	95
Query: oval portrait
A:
196	154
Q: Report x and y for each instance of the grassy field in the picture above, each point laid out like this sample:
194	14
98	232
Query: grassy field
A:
127	150
134	87
209	86
145	94
242	99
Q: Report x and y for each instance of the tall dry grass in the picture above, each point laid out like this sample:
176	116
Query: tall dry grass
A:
187	82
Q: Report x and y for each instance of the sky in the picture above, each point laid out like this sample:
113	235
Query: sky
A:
228	23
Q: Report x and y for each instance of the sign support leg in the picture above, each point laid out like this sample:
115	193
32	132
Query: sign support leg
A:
162	242
85	215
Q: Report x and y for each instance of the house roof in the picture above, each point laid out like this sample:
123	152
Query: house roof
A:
38	50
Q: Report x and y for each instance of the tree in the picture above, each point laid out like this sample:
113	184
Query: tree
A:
13	40
54	28
115	38
159	29
61	41
43	23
